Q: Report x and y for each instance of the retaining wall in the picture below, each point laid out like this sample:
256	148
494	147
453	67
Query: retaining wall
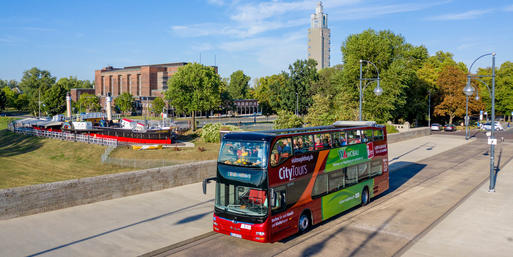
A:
409	134
21	201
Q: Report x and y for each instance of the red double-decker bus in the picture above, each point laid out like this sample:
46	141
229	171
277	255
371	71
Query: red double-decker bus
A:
273	184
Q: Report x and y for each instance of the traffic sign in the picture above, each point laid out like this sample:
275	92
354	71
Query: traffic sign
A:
492	141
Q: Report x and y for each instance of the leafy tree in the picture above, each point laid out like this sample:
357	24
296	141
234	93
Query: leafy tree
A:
263	93
21	102
302	74
321	112
158	105
327	83
36	82
10	96
3	100
287	119
239	85
73	82
277	84
90	102
451	83
55	99
193	88
125	102
504	89
226	99
396	62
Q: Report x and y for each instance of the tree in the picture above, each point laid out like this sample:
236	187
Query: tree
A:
321	112
451	82
21	102
10	96
263	93
35	83
302	74
226	99
55	99
157	106
287	119
504	89
3	100
277	84
239	85
90	102
194	87
125	102
73	82
396	62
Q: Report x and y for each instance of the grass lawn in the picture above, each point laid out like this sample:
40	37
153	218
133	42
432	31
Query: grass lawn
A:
28	160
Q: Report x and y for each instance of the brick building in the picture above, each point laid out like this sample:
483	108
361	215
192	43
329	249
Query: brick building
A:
143	82
76	92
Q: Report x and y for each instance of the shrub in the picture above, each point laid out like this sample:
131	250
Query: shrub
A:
287	120
391	129
210	132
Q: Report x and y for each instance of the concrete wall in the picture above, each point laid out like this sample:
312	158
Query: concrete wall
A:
409	134
21	201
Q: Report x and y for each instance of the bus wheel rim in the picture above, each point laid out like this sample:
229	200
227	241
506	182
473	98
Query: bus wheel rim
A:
303	223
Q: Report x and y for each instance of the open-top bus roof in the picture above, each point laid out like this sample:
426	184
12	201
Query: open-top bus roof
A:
261	135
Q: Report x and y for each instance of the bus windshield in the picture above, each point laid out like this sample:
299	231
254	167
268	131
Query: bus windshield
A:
244	153
240	199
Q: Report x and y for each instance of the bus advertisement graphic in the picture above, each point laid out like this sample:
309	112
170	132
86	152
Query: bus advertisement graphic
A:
345	199
346	156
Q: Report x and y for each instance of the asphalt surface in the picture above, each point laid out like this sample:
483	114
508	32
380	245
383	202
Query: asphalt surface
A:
420	194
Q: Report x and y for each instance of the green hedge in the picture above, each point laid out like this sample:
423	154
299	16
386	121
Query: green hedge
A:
210	132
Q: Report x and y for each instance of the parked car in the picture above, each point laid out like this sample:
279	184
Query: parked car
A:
436	127
488	126
450	127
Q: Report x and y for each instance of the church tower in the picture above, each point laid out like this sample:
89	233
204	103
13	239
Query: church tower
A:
319	38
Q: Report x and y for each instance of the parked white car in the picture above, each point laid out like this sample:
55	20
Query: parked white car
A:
488	126
436	127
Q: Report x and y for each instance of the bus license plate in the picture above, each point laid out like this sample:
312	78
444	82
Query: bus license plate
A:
235	235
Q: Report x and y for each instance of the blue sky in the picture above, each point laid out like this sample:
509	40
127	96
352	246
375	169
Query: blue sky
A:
74	38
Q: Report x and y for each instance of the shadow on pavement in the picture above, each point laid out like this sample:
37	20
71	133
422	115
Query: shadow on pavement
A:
398	177
121	228
193	218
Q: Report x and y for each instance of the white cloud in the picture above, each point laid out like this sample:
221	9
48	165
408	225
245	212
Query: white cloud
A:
468	15
201	47
371	11
509	8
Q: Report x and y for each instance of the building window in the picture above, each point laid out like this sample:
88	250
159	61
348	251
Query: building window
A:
129	78
119	84
138	84
111	84
102	86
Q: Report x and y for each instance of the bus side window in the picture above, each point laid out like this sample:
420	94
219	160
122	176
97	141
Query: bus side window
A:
336	139
367	136
282	150
351	137
378	134
363	171
376	168
320	186
336	180
351	175
278	201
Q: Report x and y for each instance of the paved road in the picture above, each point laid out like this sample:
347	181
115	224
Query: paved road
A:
420	194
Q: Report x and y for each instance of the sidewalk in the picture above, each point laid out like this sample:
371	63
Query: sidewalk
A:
138	224
481	226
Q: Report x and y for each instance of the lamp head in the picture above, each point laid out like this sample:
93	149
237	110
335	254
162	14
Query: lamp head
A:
477	98
468	90
378	91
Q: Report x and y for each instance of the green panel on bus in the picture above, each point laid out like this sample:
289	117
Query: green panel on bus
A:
337	202
346	156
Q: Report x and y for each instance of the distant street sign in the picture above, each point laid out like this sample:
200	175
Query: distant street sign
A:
492	141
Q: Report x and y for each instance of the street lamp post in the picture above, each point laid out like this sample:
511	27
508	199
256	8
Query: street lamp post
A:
429	109
378	90
491	140
297	104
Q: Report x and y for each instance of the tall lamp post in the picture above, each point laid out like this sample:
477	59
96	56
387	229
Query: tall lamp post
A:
492	141
377	91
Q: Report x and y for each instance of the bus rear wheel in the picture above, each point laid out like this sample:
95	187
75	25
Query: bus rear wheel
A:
365	196
304	223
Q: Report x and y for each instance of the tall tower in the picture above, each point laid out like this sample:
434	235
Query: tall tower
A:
319	38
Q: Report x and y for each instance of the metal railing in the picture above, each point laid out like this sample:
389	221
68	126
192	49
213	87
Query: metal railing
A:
66	136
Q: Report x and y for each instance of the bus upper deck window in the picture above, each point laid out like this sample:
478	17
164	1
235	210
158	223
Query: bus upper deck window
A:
282	150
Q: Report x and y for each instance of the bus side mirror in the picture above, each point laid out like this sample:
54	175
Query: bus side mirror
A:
205	182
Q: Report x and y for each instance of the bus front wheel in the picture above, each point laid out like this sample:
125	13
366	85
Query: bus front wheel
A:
365	196
304	223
